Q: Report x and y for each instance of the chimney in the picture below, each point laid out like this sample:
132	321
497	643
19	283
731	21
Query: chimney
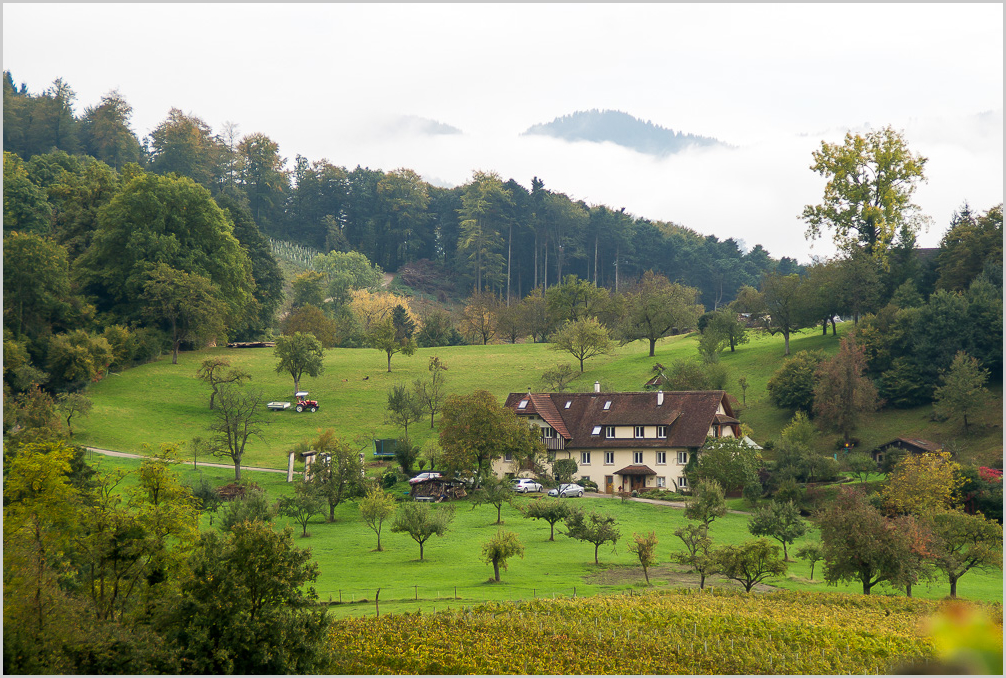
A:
597	387
660	398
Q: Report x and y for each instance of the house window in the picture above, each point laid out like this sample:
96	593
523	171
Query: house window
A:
521	405
609	458
548	432
596	431
609	431
508	456
661	431
682	482
637	457
568	403
640	431
607	405
661	457
585	457
661	481
682	458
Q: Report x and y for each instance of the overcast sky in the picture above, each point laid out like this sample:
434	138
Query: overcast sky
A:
773	81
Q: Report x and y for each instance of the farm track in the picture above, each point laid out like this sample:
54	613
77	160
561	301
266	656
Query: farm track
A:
129	455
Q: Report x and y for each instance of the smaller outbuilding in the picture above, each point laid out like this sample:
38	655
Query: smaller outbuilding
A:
905	445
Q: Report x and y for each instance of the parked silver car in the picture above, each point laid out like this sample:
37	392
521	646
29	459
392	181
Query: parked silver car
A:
569	490
524	485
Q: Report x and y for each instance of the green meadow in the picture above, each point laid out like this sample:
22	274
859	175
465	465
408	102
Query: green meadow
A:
140	408
452	573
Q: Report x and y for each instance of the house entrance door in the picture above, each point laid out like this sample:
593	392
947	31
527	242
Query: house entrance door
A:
637	483
609	484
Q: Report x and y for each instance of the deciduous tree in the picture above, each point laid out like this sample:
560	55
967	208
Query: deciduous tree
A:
779	520
432	392
421	521
655	306
867	199
965	542
404	407
298	355
644	546
376	507
583	339
963	389
304	504
842	392
338	471
499	549
792	385
923	483
708	504
495	492
697	554
595	529
728	461
215	372
550	510
811	553
238	418
749	563
475	430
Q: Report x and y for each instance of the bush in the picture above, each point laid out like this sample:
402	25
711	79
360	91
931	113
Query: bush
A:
792	385
588	484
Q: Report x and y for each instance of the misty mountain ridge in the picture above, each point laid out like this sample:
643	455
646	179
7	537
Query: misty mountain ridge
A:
415	125
622	129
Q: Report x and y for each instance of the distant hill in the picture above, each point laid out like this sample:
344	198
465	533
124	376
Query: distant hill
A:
622	129
413	124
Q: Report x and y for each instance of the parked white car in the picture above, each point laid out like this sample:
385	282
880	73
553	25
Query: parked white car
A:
525	485
570	490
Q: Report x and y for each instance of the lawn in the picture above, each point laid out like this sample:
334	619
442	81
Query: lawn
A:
352	570
160	402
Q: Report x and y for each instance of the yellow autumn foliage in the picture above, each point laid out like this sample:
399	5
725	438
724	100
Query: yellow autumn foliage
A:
921	484
370	307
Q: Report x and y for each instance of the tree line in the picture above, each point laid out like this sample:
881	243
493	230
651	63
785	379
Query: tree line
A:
489	233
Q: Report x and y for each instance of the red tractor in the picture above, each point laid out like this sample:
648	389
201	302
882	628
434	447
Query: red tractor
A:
304	404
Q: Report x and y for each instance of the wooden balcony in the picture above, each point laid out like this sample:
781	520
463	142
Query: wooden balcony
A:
554	443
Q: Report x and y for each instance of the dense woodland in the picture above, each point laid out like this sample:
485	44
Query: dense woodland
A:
118	250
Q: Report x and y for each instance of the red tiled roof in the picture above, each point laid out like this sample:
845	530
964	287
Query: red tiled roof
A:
636	470
687	414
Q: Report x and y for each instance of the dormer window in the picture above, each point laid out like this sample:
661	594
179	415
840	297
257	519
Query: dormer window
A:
607	405
521	405
661	431
609	431
640	431
568	403
596	431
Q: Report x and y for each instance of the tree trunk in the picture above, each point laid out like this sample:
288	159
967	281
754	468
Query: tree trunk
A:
551	536
496	568
595	260
379	541
647	575
953	587
389	360
509	252
908	590
581	372
702	580
420	550
596	546
237	471
653	344
785	336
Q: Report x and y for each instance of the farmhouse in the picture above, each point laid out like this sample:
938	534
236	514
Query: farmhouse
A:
910	445
628	441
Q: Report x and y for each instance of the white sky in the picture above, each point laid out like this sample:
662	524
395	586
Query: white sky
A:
771	80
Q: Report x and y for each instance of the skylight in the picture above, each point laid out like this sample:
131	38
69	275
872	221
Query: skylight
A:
521	405
568	403
596	431
607	405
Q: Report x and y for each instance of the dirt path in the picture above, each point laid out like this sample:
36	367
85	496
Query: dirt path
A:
656	502
129	455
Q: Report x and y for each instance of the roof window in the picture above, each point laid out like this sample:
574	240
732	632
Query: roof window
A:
596	431
568	403
607	405
521	405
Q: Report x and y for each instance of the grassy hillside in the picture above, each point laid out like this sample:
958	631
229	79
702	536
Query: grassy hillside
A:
160	402
452	573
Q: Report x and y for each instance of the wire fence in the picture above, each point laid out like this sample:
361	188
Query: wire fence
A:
451	595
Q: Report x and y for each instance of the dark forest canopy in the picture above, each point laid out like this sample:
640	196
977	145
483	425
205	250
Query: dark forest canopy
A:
525	237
